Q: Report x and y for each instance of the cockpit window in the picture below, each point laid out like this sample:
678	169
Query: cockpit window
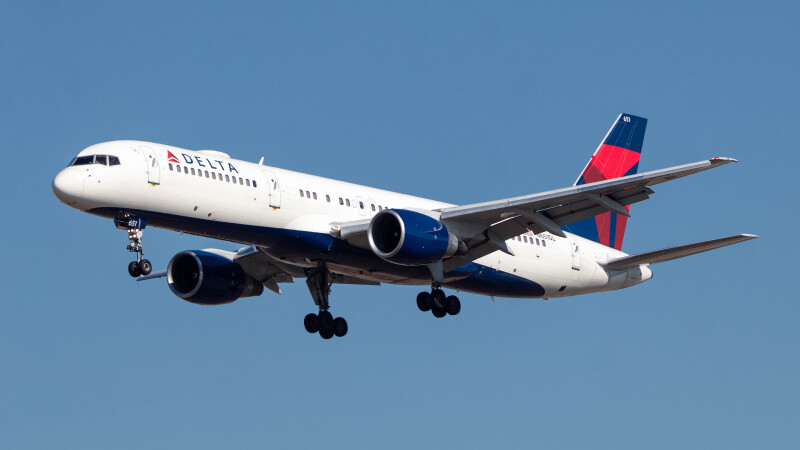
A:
105	160
83	160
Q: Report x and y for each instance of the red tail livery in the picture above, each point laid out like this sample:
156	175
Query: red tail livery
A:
617	156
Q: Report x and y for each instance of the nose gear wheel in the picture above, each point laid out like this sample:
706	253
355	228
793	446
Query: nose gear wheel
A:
135	228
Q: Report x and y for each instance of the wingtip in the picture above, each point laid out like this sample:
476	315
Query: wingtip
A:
723	160
750	236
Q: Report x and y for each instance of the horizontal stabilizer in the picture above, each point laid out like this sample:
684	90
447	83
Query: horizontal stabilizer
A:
671	253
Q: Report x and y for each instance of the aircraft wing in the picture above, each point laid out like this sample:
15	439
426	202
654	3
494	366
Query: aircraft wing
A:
561	204
671	253
265	269
486	226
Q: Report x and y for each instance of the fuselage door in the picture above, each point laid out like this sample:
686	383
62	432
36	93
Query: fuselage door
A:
361	205
274	188
576	256
153	169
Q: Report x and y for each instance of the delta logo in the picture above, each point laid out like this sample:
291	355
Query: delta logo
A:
202	162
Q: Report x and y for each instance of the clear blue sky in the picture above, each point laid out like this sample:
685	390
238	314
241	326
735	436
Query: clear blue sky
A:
457	101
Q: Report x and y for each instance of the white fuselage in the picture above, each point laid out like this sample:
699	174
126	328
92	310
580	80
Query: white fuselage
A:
199	191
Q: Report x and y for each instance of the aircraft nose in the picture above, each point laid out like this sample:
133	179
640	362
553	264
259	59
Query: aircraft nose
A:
68	185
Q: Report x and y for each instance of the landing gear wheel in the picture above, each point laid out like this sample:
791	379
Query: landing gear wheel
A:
325	322
326	334
453	306
133	269
145	267
310	322
319	281
339	327
438	312
424	301
438	299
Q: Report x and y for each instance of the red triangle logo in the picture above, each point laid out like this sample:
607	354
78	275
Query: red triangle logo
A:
171	157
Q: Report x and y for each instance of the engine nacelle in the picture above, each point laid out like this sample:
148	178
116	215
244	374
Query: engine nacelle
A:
410	238
208	279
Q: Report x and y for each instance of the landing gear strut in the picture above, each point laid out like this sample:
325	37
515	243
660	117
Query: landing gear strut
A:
438	303
319	281
135	228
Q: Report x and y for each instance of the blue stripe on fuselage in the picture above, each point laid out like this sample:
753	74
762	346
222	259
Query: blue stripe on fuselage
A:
294	246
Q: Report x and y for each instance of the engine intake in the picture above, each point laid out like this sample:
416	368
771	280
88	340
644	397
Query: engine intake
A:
410	238
205	278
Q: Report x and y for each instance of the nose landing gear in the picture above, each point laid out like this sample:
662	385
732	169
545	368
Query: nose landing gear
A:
135	227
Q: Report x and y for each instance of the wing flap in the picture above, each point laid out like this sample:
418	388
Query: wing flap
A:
671	253
582	209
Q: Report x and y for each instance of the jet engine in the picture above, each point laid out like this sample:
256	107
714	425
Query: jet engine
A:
206	278
410	238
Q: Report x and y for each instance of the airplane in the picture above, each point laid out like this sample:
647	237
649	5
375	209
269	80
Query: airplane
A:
552	244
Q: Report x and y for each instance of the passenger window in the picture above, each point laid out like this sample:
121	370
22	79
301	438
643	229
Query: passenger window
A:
186	170
113	160
328	198
315	195
544	244
308	194
254	183
241	181
193	171
213	175
247	181
373	206
525	239
361	205
227	178
100	159
537	241
301	193
170	167
341	202
347	201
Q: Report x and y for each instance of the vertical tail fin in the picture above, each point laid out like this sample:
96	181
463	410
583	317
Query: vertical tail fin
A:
617	156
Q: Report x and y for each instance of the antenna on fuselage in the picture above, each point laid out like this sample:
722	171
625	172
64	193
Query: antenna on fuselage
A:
261	161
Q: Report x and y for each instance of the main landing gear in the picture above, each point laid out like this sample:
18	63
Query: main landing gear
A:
438	303
135	228
319	281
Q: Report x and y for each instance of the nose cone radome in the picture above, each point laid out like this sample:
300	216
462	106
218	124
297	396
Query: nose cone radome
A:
68	185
